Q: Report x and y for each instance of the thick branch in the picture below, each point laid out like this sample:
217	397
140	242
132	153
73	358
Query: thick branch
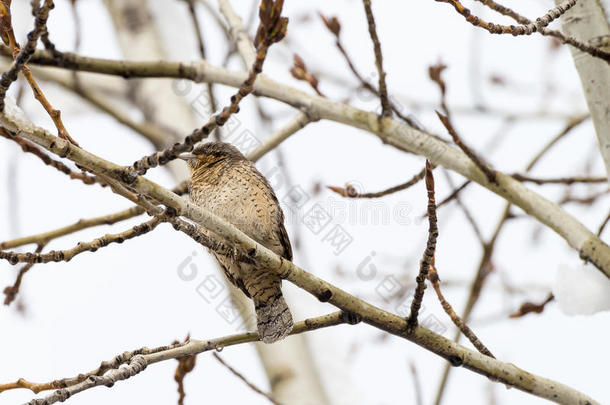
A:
399	135
325	292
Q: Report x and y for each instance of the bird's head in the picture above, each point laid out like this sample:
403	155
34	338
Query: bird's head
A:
209	154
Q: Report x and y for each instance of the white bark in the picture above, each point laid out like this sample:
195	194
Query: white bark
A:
587	22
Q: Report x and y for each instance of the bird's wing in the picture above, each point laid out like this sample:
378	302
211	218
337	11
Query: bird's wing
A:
285	242
232	271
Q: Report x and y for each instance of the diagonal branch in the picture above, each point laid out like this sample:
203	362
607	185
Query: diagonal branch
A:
583	46
476	342
526	29
489	173
91	246
350	192
245	380
390	131
458	355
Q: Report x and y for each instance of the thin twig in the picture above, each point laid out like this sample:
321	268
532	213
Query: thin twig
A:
572	123
586	200
453	195
92	246
590	49
297	123
559	180
238	33
21	55
383	90
299	71
457	321
81	224
428	259
245	380
529	307
603	225
334	26
419	400
465	210
11	292
350	192
435	73
526	29
133	366
487	171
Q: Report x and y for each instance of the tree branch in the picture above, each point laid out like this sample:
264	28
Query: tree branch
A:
324	291
383	90
399	135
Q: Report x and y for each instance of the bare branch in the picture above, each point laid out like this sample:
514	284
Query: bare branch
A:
350	192
383	90
583	46
560	180
11	292
401	136
174	351
245	380
92	246
428	260
526	29
324	291
457	321
529	307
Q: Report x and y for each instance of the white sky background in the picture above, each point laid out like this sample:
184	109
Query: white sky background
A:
127	296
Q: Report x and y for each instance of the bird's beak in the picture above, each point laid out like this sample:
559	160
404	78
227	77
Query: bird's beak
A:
187	156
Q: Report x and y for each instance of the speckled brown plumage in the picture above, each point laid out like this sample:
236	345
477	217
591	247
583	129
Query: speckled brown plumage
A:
226	183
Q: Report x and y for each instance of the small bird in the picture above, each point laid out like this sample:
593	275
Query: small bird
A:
225	182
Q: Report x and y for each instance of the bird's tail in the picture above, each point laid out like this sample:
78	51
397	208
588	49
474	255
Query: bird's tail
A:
274	319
